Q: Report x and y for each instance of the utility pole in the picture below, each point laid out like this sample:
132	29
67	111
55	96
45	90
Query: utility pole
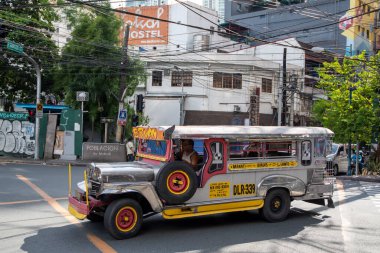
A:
279	101
375	27
38	101
123	85
284	106
293	89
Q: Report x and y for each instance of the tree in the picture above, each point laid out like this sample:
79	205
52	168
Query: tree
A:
360	119
29	23
91	62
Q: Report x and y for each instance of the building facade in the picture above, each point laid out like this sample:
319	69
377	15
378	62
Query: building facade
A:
301	86
149	36
212	89
363	31
313	22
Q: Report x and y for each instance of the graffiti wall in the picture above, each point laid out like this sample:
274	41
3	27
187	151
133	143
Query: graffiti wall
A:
16	134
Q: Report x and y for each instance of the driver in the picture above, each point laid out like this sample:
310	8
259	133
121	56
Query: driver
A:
188	154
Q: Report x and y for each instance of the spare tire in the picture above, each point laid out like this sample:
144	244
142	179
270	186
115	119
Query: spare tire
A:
176	182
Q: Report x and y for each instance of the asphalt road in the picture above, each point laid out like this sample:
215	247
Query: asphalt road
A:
33	218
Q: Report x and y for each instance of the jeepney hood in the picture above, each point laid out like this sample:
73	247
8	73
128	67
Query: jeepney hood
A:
122	172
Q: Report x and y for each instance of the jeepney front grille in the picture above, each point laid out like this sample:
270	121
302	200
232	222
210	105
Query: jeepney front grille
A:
95	187
329	177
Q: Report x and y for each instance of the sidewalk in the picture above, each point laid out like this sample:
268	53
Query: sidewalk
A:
371	178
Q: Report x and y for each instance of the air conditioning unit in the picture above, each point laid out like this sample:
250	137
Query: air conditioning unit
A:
166	72
236	108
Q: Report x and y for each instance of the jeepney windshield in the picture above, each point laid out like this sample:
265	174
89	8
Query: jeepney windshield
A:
153	147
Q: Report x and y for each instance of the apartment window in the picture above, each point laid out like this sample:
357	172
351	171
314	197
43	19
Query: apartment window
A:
362	33
179	76
227	80
68	27
156	78
266	85
369	10
358	28
367	34
68	39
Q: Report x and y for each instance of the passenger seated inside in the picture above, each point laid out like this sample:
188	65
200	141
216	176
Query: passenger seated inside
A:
188	154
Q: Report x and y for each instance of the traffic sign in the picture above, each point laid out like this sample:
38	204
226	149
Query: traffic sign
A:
82	96
15	47
122	117
39	110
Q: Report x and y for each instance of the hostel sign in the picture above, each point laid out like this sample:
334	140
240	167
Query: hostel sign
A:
145	31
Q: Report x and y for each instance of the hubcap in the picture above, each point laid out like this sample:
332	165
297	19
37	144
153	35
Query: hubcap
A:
178	182
276	204
126	219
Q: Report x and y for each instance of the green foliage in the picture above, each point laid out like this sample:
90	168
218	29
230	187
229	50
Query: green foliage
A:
359	119
91	62
31	27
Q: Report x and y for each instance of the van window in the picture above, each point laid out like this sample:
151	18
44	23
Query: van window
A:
306	153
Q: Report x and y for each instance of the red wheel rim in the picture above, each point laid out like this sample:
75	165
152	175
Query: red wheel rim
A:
126	218
178	182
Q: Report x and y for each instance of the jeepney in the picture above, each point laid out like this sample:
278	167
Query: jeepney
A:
240	168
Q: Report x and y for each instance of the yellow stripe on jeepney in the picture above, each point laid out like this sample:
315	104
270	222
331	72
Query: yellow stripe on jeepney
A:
154	157
75	213
261	165
176	213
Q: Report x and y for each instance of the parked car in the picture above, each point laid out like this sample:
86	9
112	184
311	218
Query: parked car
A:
337	160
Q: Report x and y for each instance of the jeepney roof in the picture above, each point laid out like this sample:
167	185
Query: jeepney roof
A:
246	132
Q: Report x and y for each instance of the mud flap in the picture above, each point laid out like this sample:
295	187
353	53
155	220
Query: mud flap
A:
322	202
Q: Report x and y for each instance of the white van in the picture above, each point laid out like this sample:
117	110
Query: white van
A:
337	161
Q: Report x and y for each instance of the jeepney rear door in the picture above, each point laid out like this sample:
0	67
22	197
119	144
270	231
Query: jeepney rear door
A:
216	162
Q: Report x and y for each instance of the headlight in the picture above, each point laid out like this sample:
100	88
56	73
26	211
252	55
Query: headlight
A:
96	174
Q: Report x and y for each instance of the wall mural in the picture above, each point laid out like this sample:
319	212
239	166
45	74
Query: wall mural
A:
15	136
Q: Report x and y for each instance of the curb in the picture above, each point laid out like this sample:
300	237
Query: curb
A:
43	162
373	179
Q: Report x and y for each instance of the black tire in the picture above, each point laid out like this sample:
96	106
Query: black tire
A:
95	217
116	218
276	205
183	185
335	170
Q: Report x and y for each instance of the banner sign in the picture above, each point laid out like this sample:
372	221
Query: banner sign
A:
145	31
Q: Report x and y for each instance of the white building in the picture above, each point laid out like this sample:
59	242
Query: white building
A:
211	89
300	55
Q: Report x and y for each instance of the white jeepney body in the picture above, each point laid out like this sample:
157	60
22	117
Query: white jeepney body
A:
239	166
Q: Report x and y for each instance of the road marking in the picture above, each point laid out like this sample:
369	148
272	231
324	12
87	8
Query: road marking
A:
346	224
98	243
373	192
27	201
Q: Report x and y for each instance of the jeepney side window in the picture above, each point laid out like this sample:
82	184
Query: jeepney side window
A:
319	147
280	149
306	153
217	157
153	147
236	149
